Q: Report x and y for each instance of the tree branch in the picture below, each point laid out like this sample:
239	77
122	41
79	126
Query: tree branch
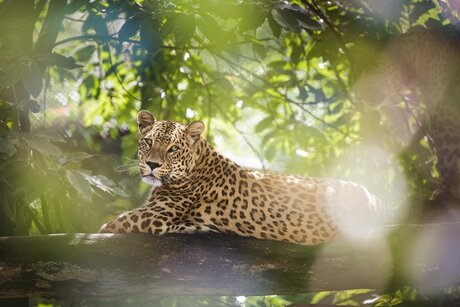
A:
103	265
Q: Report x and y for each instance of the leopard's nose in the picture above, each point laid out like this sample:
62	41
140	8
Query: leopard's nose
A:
153	165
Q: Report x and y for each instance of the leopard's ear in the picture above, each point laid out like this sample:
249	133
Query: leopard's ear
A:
194	131
145	121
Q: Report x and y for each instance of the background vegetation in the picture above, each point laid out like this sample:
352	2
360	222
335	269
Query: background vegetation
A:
272	80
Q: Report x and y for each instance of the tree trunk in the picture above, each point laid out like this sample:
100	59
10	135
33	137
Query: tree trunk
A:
105	265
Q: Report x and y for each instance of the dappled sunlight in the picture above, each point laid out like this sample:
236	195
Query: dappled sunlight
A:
384	10
373	205
356	102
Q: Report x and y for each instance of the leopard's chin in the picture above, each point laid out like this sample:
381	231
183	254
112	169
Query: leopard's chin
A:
150	179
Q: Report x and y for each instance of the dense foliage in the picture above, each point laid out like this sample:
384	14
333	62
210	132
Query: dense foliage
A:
272	80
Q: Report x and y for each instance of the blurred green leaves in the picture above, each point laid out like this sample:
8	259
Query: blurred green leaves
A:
272	79
43	146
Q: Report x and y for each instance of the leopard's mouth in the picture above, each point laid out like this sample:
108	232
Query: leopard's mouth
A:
152	180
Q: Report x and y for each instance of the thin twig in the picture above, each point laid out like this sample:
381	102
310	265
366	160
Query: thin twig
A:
208	92
119	79
45	95
112	37
285	97
317	10
256	152
16	109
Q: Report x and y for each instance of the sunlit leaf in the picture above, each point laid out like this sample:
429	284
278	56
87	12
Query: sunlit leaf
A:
264	124
80	184
105	184
420	8
252	18
130	28
59	60
212	30
184	29
84	54
74	157
44	146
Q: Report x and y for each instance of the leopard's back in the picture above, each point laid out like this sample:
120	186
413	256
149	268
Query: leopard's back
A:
197	189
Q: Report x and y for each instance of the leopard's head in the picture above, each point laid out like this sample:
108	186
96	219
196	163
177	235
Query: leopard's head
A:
166	150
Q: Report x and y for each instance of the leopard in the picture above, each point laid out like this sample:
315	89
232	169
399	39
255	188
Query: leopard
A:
418	74
197	189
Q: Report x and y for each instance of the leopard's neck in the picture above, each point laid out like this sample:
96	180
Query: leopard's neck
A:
209	157
206	158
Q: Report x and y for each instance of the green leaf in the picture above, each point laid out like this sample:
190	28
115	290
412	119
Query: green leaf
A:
84	54
297	51
303	93
294	18
184	29
148	37
130	28
75	157
270	136
419	9
43	146
212	30
274	25
252	18
321	296
80	184
278	66
225	9
259	49
59	60
97	23
265	123
105	184
432	23
271	150
309	135
303	16
32	78
286	21
33	106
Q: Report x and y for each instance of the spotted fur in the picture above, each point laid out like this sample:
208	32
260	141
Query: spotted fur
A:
198	189
422	68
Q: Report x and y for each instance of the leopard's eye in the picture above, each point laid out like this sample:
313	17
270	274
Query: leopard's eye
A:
148	141
173	148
